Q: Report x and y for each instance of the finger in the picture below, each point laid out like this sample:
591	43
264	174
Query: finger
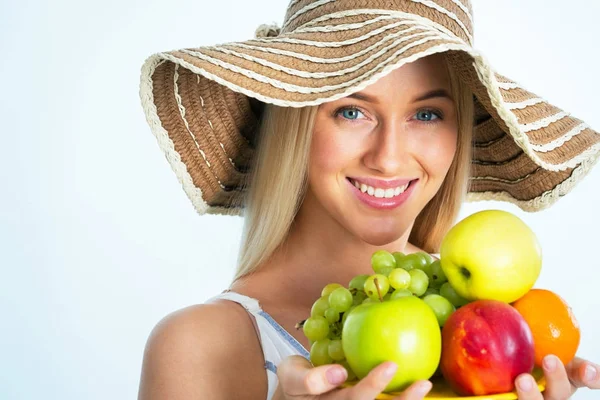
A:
583	373
558	386
527	388
416	391
297	377
373	384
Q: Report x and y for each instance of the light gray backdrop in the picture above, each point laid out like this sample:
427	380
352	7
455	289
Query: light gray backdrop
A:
99	242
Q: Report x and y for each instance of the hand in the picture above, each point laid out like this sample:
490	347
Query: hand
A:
299	380
561	382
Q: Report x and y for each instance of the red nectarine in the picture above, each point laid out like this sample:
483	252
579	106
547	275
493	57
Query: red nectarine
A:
486	344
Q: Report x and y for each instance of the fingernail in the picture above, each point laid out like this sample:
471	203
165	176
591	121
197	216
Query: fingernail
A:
590	373
525	383
390	370
336	376
550	363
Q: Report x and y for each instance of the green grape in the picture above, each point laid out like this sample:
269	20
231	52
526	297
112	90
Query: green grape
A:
400	293
370	300
428	258
387	296
351	374
358	297
411	261
418	282
429	291
442	308
398	255
319	307
316	328
419	259
377	286
319	353
386	271
427	269
436	274
382	259
447	291
358	282
340	299
335	350
330	288
332	315
399	278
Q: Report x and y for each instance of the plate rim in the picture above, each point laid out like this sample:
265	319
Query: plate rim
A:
537	374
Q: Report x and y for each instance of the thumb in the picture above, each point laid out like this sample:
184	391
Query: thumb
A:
297	377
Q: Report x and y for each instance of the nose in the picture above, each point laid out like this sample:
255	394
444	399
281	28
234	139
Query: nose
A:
387	150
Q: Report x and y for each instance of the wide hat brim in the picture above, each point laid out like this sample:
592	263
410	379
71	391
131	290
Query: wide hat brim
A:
203	105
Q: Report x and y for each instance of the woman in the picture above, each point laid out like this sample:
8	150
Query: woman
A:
347	131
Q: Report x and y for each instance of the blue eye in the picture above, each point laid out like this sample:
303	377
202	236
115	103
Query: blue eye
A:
427	115
350	113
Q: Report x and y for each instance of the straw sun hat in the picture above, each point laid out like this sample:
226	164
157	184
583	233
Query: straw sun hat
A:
203	104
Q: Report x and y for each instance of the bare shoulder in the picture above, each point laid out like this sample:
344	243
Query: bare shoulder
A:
207	351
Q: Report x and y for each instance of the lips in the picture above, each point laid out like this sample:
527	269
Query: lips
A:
378	199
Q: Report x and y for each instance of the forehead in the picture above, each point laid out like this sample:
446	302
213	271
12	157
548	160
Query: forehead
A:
425	74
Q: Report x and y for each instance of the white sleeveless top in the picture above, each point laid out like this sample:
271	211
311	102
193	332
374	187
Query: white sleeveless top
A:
277	343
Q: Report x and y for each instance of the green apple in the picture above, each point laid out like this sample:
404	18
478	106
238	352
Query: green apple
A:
404	330
491	255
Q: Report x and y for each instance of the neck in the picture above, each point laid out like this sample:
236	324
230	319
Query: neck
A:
317	251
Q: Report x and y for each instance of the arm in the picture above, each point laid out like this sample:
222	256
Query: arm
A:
207	351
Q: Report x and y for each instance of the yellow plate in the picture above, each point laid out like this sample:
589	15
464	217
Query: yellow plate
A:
441	390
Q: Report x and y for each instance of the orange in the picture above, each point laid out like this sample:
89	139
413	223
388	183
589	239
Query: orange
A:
554	327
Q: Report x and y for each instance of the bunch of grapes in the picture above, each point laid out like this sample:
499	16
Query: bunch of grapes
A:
395	275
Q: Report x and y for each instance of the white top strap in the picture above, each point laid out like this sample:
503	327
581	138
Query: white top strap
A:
250	304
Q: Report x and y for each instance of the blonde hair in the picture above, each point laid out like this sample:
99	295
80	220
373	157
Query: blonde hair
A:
278	181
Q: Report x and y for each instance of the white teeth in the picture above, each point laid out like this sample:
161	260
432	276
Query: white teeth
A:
379	192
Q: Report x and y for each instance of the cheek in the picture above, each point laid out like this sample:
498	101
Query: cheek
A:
330	152
437	155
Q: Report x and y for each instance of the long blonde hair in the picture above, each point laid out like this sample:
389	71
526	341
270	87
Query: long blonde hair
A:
278	181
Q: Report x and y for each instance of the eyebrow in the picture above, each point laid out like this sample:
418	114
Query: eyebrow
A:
443	93
437	93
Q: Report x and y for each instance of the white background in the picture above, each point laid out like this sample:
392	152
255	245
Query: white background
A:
99	242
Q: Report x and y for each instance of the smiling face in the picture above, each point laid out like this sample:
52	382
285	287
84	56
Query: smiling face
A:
378	156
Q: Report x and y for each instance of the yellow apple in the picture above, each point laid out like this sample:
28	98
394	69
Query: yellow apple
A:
491	255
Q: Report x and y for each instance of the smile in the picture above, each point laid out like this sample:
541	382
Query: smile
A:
379	193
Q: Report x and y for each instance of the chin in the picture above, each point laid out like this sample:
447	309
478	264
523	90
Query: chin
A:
378	236
377	230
